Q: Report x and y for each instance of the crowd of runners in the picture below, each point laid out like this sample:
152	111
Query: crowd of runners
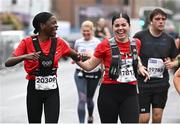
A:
132	72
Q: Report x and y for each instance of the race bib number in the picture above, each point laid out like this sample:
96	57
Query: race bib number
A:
156	67
126	73
46	82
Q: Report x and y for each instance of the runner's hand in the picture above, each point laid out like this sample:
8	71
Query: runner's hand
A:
33	56
143	71
170	64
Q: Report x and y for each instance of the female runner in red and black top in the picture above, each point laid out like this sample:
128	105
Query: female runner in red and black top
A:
117	97
41	54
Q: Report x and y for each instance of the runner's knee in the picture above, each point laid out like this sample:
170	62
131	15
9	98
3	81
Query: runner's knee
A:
157	116
144	118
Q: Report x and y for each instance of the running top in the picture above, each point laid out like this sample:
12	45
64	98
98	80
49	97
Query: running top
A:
83	46
103	51
153	52
26	47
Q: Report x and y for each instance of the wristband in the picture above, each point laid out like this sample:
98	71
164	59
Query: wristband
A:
80	57
84	58
178	59
77	57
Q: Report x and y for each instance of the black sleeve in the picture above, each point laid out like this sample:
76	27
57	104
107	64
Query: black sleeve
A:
174	50
137	35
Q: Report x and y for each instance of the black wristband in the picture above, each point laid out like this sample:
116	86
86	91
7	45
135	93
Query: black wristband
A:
178	59
84	58
77	58
80	57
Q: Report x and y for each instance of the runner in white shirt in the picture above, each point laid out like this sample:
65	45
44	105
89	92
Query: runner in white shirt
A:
86	82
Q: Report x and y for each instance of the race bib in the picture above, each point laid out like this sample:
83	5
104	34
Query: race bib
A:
126	73
156	67
46	82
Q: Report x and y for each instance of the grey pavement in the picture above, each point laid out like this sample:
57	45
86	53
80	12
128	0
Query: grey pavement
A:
13	97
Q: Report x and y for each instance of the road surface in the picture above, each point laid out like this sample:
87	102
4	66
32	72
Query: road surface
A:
13	97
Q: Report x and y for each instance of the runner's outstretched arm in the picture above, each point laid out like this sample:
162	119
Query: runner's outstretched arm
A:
17	59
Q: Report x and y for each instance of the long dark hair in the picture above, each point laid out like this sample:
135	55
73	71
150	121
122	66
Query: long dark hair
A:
120	15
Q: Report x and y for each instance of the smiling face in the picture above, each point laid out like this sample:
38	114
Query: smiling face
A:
87	32
121	29
50	27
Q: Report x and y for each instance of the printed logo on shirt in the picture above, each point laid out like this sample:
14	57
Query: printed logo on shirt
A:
47	63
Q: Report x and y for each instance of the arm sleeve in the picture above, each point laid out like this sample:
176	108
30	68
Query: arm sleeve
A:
63	47
21	49
137	35
174	50
138	43
100	49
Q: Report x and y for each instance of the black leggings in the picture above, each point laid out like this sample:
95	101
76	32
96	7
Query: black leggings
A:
35	101
118	100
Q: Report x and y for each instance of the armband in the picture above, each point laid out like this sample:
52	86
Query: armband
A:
80	57
178	59
77	58
84	58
